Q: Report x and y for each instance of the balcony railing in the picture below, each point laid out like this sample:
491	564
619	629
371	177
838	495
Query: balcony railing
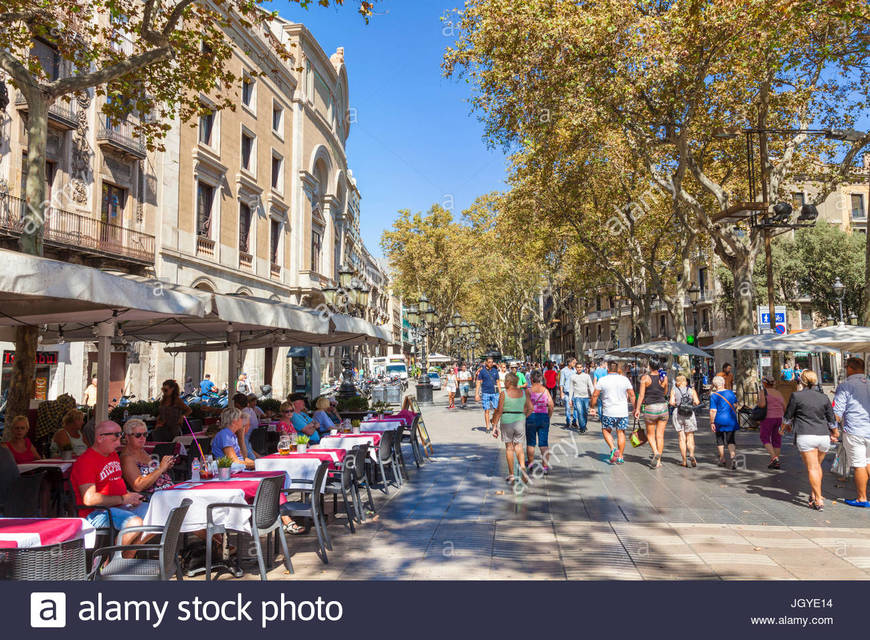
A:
275	270
82	233
204	246
245	259
121	138
66	114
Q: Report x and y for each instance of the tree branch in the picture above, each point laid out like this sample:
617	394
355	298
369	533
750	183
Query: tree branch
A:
11	65
64	86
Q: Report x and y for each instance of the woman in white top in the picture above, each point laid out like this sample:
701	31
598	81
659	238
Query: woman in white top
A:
451	388
684	399
70	434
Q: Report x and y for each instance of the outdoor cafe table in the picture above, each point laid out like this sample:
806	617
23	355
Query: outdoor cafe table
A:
240	489
44	532
299	466
381	425
47	463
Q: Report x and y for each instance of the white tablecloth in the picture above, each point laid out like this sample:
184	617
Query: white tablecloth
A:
339	442
380	426
294	468
162	502
63	465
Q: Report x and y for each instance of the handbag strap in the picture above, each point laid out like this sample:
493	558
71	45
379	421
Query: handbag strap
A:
716	393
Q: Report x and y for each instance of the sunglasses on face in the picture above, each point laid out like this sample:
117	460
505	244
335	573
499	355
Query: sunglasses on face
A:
138	435
113	434
287	411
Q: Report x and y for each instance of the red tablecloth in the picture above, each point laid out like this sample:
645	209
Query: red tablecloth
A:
239	481
38	532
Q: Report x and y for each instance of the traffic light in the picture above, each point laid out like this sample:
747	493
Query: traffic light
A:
690	339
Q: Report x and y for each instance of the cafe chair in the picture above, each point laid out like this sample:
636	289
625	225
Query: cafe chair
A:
313	508
360	458
65	561
413	436
387	458
23	497
398	434
258	441
264	518
341	483
163	567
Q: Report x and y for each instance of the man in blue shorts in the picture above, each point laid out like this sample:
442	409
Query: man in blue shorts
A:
487	391
615	392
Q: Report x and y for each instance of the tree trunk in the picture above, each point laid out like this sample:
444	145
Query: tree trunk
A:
741	269
33	217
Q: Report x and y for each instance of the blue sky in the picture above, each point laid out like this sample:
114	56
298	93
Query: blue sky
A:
415	141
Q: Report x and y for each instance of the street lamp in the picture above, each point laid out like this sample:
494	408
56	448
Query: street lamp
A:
614	336
694	294
423	317
839	291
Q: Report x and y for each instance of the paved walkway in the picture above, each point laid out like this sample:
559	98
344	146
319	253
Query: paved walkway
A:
458	519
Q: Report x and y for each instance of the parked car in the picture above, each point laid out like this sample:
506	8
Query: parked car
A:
435	379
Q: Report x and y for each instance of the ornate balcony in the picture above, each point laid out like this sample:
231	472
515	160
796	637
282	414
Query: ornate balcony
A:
63	115
120	138
73	231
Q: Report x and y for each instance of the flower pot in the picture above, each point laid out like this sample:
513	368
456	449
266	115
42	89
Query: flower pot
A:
356	429
300	448
224	473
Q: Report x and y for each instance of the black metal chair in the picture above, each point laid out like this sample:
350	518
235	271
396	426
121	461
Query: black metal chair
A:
65	561
312	509
163	449
413	436
22	499
341	483
258	441
162	567
359	462
265	517
398	434
387	457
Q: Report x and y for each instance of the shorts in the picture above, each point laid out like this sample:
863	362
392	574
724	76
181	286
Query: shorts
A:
857	449
808	442
537	429
725	437
689	424
655	412
120	515
610	423
513	432
490	401
768	431
464	389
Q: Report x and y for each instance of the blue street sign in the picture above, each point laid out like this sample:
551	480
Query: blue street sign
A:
765	318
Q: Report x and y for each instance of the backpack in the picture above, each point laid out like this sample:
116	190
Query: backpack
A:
684	407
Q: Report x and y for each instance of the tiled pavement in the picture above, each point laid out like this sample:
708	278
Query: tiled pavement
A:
458	519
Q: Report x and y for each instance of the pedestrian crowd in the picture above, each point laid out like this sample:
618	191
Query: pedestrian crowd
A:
519	400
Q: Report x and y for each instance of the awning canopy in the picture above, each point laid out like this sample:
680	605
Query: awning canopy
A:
769	342
40	291
662	348
842	337
439	357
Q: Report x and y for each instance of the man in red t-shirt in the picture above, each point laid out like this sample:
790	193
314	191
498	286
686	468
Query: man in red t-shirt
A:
97	480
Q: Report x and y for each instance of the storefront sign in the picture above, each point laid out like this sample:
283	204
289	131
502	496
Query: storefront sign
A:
41	389
42	357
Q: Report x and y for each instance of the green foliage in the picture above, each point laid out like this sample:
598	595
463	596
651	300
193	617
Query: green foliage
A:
302	439
354	403
270	404
140	407
225	462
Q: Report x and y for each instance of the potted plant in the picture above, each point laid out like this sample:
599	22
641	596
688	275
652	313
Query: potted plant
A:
354	424
301	443
224	468
66	452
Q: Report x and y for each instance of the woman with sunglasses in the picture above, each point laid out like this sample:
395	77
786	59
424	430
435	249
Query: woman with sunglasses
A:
141	473
285	424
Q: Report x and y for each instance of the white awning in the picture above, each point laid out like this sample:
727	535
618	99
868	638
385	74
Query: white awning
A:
40	291
842	337
769	342
663	348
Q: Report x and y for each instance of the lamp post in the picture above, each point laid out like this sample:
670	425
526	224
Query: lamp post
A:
759	212
424	318
614	334
694	293
839	291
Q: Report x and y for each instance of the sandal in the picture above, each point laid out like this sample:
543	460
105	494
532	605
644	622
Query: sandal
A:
510	479
693	461
293	528
722	462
